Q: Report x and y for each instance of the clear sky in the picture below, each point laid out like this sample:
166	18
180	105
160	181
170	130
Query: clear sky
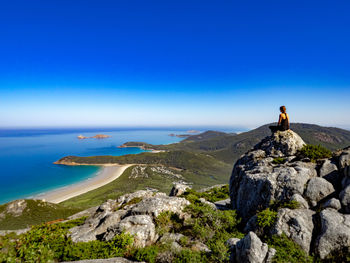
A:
173	63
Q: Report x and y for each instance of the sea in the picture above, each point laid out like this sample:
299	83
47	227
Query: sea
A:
27	155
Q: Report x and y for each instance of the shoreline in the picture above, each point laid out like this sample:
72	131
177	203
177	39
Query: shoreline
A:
108	173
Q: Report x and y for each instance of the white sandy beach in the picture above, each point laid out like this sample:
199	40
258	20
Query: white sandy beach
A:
108	174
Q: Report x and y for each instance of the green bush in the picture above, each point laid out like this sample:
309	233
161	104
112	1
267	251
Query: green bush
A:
275	205
49	243
189	256
212	195
133	201
168	222
279	160
148	254
213	228
287	250
314	152
266	218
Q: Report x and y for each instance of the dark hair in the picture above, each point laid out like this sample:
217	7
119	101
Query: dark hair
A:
283	109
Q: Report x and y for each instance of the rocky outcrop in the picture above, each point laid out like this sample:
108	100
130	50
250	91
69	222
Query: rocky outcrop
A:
345	198
317	189
250	249
296	224
281	143
131	213
329	171
256	180
273	173
15	208
178	189
335	232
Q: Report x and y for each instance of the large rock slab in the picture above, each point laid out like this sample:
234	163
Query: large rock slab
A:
178	189
253	187
251	249
297	224
281	143
317	189
140	226
345	199
329	171
96	226
132	213
158	204
335	232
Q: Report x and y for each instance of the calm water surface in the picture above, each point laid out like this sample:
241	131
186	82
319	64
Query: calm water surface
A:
27	156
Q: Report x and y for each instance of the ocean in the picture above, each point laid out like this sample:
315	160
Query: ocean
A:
27	156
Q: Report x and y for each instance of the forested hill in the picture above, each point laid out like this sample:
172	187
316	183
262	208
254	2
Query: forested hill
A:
228	147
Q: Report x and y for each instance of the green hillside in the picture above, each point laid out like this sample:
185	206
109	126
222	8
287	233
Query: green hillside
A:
228	147
24	213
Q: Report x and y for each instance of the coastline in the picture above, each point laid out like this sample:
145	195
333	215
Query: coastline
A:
109	173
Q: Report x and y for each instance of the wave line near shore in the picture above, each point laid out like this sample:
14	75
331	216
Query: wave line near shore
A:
108	174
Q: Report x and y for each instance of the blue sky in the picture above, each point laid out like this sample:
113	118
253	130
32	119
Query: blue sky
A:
173	63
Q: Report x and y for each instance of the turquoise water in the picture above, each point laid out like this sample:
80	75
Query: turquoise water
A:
27	156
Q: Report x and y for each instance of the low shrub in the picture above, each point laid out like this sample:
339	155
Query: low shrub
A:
287	250
266	218
279	160
314	152
189	256
133	201
275	205
49	243
211	195
168	222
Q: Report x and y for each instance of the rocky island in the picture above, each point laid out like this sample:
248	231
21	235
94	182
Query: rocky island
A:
97	136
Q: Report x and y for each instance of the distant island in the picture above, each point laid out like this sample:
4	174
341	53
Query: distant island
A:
97	136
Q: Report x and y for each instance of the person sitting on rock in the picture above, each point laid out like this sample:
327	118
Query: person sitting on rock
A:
283	121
